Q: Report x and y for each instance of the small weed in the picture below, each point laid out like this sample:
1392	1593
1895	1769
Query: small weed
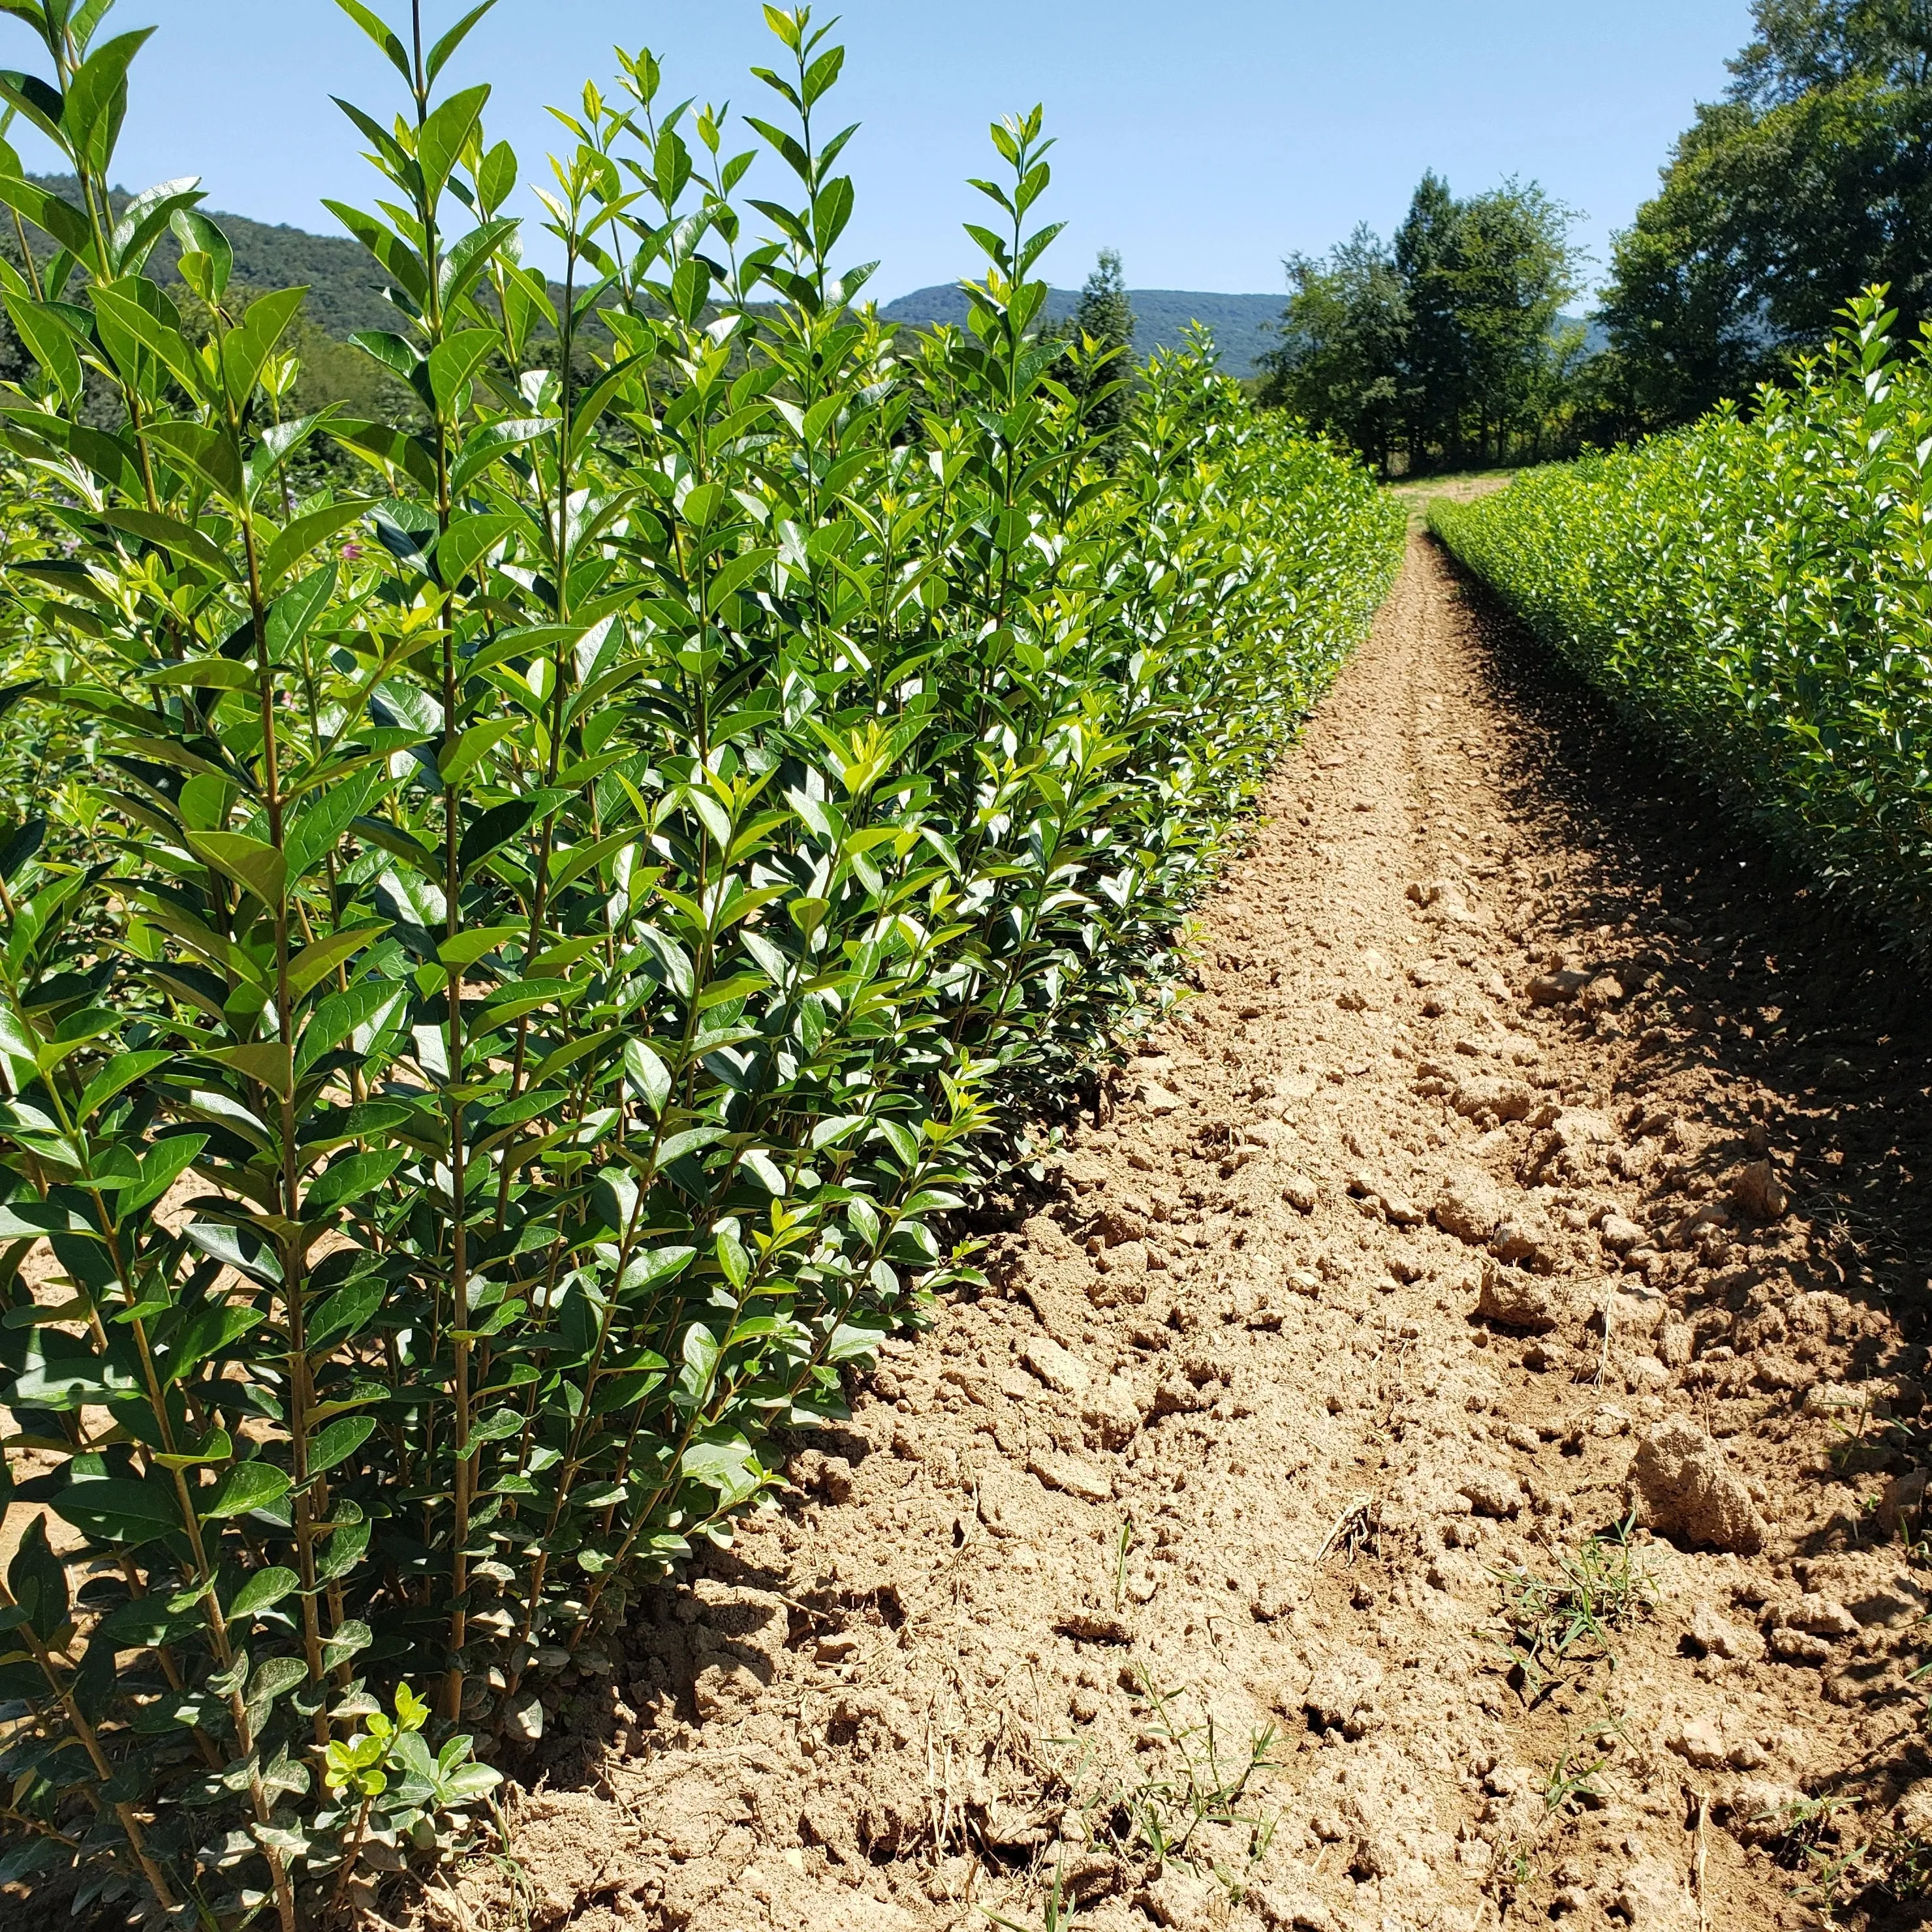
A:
1566	1620
1808	1840
1571	1782
1904	1861
1157	1819
1056	1914
1123	1543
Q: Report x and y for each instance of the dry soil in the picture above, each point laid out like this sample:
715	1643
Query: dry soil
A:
1436	1455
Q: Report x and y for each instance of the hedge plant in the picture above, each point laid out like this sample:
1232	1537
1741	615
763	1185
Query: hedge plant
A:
1755	593
556	927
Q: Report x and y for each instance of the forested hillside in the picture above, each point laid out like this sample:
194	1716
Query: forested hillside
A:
1244	326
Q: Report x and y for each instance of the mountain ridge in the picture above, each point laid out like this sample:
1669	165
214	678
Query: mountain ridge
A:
1242	325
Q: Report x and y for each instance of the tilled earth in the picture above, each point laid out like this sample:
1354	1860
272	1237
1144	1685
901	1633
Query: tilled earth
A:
1439	1453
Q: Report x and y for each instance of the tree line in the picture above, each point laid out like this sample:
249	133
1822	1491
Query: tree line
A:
1444	345
1810	180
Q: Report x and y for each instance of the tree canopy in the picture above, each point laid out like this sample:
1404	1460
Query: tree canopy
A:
1811	181
1442	345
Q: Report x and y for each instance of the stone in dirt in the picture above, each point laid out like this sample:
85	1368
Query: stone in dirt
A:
1716	1637
1291	1907
1300	1193
1516	1300
1111	1415
1655	1895
1902	1503
1680	1487
1757	1809
1073	1478
1492	1493
1057	1367
1556	989
1756	1190
1525	1239
1913	1814
1605	990
1618	1234
1468	1205
1486	1096
1341	1697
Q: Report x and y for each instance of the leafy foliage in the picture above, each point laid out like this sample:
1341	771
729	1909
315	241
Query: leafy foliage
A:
1099	371
1446	344
1755	593
1813	180
561	922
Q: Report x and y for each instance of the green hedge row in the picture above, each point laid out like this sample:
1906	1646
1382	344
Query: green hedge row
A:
558	927
1758	593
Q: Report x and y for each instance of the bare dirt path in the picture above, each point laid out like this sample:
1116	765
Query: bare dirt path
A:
1529	1151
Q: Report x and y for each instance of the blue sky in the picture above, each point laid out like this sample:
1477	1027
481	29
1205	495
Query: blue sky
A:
1204	141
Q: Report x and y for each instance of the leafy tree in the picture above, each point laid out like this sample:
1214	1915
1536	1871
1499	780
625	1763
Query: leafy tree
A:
1443	344
1804	46
1103	375
1813	180
1511	270
1344	337
1435	355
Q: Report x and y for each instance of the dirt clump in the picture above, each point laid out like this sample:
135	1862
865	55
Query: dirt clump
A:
1493	1232
1680	1487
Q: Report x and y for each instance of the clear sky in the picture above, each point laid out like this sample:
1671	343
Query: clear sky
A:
1204	140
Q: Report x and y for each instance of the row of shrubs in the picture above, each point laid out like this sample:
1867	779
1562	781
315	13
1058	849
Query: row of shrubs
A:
1757	592
560	929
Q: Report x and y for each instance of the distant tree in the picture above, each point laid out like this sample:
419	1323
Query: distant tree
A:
1343	337
1445	343
1104	317
1805	46
1436	358
1512	269
1813	179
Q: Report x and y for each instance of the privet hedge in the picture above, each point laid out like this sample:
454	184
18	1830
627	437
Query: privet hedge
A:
564	915
1758	594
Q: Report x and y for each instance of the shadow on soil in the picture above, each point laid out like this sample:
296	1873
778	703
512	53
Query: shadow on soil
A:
1774	986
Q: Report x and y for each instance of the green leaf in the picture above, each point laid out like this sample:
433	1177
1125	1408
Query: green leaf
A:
198	235
466	542
120	1072
647	1073
265	1062
313	964
122	310
442	138
338	1441
118	1509
247	1487
444	47
453	362
263	1590
249	862
170	533
245	348
378	31
49	342
347	1312
305	532
96	99
465	948
204	674
208	1332
350	1178
32	96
